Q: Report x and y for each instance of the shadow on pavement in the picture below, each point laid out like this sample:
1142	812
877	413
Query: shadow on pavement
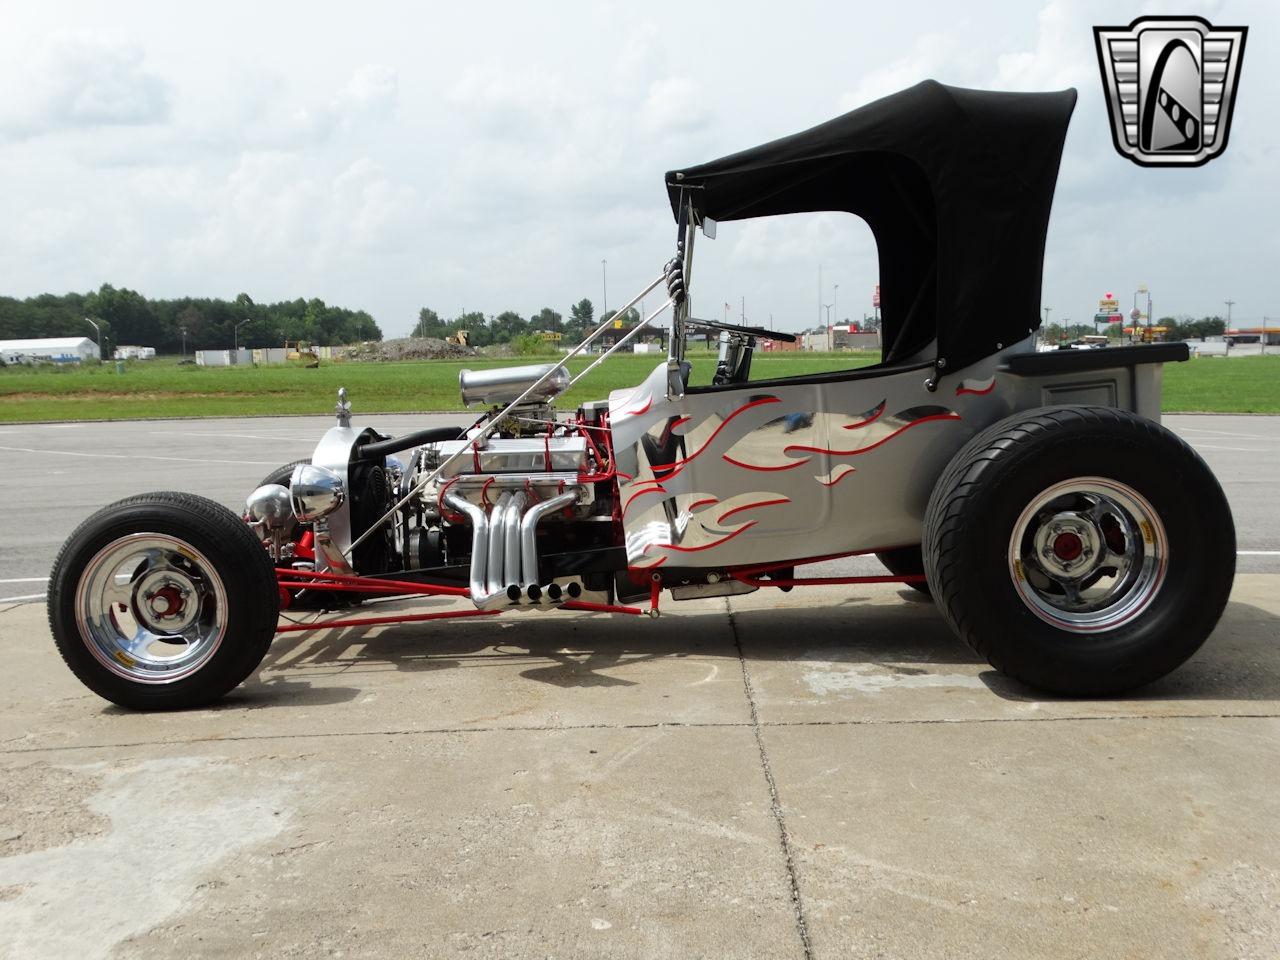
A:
1240	661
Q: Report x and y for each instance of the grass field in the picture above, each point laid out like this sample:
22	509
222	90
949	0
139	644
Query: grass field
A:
163	388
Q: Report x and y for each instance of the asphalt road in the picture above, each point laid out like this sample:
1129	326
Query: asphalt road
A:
54	475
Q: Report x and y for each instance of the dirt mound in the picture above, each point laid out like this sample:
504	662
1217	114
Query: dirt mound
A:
408	348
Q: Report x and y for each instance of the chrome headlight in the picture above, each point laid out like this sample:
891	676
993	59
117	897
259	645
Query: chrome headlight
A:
269	505
316	492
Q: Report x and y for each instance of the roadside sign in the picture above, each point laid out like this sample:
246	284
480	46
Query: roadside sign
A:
875	297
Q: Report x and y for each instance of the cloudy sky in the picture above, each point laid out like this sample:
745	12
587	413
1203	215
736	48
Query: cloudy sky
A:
489	156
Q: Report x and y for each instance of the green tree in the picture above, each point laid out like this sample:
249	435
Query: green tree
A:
430	325
581	318
478	333
546	319
506	326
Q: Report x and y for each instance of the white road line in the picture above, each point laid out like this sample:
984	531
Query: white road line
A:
29	596
1223	433
234	436
1258	553
139	456
1209	446
26	580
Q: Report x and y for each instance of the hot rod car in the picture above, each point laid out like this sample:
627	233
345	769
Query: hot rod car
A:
1062	532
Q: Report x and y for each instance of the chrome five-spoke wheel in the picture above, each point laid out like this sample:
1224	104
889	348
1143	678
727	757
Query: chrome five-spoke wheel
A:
163	601
152	608
1088	554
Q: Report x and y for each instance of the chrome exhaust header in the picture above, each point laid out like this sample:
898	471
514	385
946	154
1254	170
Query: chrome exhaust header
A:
504	550
529	537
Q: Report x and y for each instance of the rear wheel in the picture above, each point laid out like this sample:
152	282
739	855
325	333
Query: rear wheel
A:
163	601
906	562
1083	550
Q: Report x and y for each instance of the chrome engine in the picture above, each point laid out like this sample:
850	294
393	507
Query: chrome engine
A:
520	513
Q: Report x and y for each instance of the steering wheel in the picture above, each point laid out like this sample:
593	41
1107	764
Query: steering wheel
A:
758	332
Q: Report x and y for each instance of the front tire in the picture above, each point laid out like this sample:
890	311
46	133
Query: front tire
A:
1083	550
163	601
280	476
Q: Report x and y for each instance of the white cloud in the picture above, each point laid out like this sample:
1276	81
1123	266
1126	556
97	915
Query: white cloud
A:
490	157
79	83
674	106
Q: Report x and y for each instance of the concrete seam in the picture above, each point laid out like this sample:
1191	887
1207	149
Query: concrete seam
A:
775	803
655	725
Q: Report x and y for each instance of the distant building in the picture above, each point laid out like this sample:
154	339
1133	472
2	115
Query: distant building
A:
135	353
1267	336
779	346
49	350
842	336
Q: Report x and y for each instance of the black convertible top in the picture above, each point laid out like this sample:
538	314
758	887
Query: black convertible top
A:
956	186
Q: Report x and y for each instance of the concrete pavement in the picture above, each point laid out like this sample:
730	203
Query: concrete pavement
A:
826	773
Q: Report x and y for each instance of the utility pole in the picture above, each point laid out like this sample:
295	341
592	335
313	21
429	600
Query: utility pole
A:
835	298
1230	304
97	330
819	294
604	285
1262	344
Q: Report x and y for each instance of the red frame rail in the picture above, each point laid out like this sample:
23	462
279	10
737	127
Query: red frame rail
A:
750	575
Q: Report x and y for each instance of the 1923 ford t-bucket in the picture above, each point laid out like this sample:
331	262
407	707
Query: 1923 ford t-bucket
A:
1064	534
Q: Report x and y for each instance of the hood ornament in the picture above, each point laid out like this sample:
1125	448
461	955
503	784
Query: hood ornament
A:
343	409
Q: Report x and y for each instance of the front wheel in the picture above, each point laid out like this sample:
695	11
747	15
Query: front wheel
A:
1083	550
163	601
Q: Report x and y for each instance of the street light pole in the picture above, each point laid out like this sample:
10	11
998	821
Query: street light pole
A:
835	296
604	285
235	334
830	333
97	330
184	343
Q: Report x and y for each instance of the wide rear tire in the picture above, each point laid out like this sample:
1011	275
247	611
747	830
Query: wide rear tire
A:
1083	550
163	601
906	562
